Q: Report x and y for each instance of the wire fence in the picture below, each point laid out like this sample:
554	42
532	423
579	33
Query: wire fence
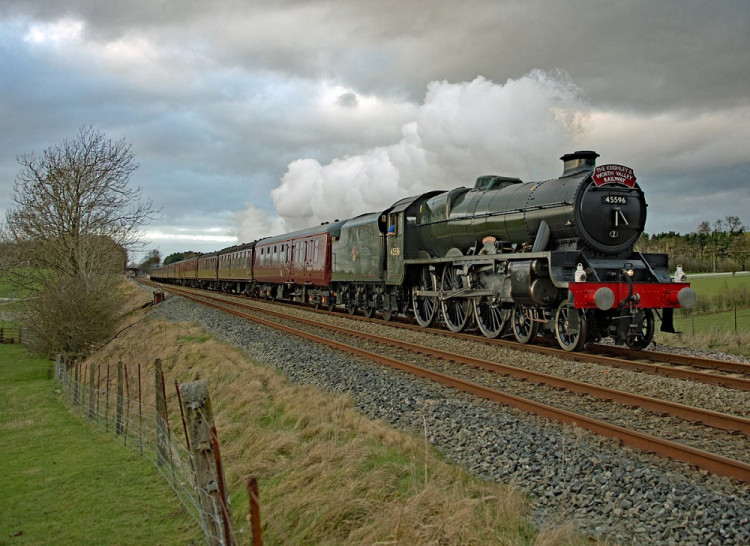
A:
137	411
735	320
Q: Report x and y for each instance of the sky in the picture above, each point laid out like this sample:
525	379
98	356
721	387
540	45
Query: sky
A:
250	118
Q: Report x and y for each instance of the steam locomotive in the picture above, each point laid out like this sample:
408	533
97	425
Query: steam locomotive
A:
506	257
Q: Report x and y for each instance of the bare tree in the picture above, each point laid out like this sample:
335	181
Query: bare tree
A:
734	225
74	207
152	259
73	218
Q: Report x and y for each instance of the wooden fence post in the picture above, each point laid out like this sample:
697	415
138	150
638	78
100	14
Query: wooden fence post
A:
210	480
118	411
162	428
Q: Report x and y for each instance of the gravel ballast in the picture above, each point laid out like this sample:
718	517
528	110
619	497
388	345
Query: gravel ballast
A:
605	490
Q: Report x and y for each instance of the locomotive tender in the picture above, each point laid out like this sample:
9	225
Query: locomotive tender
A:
553	257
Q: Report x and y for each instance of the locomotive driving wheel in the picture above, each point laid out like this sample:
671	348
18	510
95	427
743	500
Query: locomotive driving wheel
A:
523	324
425	307
456	311
642	333
569	337
490	316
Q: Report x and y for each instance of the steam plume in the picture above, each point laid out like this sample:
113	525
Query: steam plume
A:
461	131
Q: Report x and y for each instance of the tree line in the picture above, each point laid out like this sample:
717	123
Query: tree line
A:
723	246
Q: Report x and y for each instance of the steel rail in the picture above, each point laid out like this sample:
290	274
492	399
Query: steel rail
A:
664	448
731	382
711	418
694	361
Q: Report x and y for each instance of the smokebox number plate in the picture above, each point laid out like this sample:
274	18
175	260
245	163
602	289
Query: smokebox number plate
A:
615	200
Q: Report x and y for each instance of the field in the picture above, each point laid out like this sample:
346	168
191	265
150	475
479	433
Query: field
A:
63	483
710	327
327	475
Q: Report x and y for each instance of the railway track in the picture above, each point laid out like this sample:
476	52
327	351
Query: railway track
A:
732	375
713	462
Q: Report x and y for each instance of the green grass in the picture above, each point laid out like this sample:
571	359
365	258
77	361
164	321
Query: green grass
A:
722	321
712	285
64	483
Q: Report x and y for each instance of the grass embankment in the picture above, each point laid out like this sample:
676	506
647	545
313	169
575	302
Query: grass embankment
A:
327	474
64	483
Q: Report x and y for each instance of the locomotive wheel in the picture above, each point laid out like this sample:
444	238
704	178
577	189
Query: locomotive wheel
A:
456	311
524	328
569	339
425	307
387	314
645	334
491	318
351	307
368	311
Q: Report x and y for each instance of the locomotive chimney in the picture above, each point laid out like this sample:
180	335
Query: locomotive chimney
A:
579	162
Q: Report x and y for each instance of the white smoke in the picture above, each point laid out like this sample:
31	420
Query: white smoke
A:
461	131
254	223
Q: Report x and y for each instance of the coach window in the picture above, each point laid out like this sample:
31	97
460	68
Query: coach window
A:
315	253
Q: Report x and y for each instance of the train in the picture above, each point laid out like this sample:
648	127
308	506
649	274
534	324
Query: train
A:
505	257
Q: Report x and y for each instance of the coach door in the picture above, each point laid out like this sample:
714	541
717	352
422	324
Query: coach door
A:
395	248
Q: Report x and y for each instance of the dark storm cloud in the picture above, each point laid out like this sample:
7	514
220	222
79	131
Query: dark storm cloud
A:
636	54
219	99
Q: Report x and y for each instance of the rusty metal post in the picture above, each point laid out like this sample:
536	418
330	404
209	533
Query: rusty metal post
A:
222	486
83	374
98	391
214	506
252	493
119	405
75	383
106	402
127	401
140	412
91	392
162	428
182	413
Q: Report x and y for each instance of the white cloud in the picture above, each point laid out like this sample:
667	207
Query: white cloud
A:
460	131
64	30
255	223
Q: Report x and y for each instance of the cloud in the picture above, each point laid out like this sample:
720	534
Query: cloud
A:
460	131
255	223
259	102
